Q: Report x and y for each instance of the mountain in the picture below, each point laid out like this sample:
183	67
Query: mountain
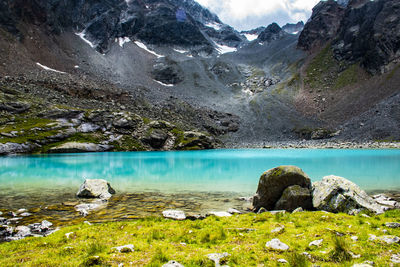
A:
163	74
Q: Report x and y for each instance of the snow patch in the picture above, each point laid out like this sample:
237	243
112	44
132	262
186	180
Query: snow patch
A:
82	35
251	37
214	25
143	46
164	84
181	51
49	69
123	40
222	49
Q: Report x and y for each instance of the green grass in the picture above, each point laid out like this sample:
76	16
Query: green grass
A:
347	77
159	240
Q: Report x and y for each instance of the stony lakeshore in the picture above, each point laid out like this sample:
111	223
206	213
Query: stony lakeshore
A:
288	222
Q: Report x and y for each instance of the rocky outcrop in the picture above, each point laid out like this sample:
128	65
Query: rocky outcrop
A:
336	194
95	188
14	148
273	183
322	26
293	28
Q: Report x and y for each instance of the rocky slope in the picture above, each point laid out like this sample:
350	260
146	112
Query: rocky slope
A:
174	64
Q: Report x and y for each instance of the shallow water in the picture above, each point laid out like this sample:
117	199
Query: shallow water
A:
147	182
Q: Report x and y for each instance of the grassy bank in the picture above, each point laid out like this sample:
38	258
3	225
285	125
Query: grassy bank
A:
159	240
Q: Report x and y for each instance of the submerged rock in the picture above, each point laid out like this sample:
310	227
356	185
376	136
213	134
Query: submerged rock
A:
337	194
95	188
274	181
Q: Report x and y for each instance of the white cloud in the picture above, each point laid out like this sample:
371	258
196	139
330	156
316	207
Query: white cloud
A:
253	13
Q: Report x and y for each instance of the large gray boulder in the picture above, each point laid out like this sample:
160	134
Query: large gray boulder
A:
95	188
274	181
337	194
294	197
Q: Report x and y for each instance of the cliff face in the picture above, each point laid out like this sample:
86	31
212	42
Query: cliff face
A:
370	34
362	31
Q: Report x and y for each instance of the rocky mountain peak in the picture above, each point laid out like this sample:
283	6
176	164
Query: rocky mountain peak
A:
293	28
271	33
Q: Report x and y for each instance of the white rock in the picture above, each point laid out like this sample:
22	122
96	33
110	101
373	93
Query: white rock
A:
389	239
124	249
371	237
88	128
273	212
395	258
95	188
234	211
217	257
354	238
282	261
389	224
278	229
299	209
172	264
67	235
316	243
174	214
276	244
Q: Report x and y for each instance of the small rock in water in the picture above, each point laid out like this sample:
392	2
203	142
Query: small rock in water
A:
316	243
124	249
172	264
276	244
95	188
21	211
299	209
174	214
390	224
217	257
220	213
282	261
234	211
26	214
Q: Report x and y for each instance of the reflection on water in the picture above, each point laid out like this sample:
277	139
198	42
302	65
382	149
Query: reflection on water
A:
40	181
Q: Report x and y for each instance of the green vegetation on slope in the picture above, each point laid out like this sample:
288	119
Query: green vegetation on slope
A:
159	240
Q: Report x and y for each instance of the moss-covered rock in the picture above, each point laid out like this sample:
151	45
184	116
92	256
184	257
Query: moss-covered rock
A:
294	197
274	181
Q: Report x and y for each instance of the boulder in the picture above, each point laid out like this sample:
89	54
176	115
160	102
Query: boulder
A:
294	197
95	188
274	181
337	194
156	138
75	147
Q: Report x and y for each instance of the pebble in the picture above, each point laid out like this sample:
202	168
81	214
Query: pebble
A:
217	257
172	264
220	213
278	229
26	214
282	261
316	243
276	244
354	238
124	249
390	224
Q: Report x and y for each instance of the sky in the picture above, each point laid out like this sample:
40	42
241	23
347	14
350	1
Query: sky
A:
250	14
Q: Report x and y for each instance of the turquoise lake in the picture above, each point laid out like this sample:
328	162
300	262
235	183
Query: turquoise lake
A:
201	171
195	181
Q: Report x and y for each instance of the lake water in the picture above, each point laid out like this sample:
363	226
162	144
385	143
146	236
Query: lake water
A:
215	175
